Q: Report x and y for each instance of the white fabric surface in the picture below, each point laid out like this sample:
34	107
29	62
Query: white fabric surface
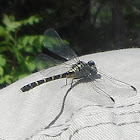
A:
44	113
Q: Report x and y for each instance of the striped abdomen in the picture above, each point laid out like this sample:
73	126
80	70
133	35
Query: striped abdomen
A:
45	80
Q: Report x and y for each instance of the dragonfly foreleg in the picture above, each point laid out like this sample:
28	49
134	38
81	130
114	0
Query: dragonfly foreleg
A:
65	84
71	83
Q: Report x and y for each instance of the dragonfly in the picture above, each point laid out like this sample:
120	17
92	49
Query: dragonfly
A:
97	84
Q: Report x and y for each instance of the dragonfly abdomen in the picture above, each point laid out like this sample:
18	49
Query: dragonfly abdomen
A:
45	80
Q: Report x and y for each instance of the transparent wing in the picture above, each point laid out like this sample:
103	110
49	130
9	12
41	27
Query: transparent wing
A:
87	89
54	43
44	61
114	87
44	64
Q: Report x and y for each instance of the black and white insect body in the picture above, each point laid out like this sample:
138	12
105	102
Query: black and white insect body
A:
79	70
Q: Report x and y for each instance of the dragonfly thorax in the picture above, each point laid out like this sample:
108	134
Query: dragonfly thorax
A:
82	69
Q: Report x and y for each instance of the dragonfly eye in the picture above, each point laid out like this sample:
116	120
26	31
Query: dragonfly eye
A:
91	63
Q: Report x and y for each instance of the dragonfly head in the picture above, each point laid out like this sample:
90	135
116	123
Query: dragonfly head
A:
92	65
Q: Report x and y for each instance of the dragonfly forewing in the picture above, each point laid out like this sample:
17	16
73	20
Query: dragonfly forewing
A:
44	64
54	43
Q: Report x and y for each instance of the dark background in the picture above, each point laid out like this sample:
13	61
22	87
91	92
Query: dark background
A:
87	25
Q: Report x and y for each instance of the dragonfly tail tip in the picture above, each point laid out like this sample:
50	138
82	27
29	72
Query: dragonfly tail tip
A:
134	88
112	99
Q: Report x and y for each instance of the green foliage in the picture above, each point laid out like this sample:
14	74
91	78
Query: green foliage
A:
17	52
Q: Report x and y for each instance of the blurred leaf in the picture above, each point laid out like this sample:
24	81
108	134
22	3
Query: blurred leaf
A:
1	71
8	79
31	66
10	23
13	25
30	40
1	80
29	48
2	60
2	31
30	63
32	20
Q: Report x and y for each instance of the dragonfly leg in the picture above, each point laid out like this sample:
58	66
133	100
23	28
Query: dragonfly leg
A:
72	82
65	84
